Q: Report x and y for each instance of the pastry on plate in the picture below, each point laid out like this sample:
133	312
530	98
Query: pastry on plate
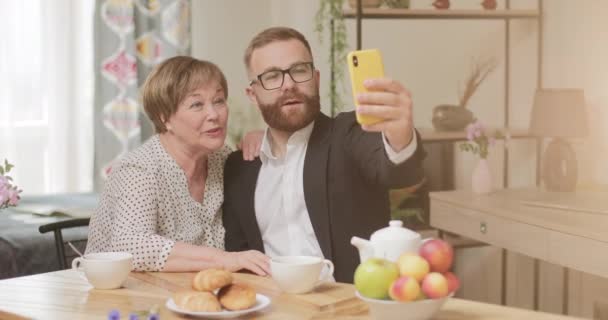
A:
197	301
211	279
237	296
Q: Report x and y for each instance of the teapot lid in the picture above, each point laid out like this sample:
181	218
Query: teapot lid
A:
394	232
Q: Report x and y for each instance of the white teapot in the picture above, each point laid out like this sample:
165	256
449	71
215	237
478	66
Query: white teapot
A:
388	243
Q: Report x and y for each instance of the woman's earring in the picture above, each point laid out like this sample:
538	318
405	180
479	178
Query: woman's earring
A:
169	128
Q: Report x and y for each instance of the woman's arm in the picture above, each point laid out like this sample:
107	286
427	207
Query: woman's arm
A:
251	144
187	257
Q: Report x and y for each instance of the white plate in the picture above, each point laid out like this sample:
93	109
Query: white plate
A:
261	302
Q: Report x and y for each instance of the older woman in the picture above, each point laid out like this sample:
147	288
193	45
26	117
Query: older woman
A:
162	201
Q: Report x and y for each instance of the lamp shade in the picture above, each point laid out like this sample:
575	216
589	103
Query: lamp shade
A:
559	113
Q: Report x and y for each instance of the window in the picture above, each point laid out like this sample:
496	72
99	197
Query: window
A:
46	94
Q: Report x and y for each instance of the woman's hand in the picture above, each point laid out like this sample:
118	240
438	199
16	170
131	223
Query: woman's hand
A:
251	144
251	260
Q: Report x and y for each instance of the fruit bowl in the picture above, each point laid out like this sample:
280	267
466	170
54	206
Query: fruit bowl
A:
414	310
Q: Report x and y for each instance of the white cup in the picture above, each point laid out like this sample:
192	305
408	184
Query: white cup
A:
105	270
300	274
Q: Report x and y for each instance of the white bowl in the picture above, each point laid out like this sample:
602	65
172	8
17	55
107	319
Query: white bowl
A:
414	310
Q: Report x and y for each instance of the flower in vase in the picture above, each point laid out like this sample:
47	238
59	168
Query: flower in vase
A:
478	141
9	193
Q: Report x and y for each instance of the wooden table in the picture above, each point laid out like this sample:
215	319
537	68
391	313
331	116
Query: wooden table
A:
565	228
66	295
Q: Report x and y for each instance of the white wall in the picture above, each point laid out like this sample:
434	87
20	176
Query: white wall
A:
577	47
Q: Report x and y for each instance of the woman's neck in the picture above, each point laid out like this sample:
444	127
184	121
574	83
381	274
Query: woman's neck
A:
193	162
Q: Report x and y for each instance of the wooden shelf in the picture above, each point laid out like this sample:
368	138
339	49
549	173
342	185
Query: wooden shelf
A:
384	13
432	135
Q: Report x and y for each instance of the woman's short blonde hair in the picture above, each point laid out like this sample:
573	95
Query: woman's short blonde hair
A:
170	83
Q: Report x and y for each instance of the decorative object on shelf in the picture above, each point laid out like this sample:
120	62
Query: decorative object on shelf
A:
559	113
441	4
479	143
329	16
365	3
489	4
9	193
455	118
449	117
403	4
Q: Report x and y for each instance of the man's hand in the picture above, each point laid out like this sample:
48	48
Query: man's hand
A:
390	101
251	144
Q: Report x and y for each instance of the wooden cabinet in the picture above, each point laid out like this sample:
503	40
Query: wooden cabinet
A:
561	229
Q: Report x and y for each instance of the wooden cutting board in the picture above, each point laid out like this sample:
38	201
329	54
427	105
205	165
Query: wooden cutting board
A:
325	297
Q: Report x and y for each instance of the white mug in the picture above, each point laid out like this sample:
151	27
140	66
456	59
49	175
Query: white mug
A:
105	270
300	274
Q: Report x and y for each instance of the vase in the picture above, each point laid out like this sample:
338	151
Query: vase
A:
481	179
448	117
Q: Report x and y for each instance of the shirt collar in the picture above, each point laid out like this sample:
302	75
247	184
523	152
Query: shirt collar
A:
299	137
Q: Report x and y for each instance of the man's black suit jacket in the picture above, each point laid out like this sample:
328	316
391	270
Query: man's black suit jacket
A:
347	175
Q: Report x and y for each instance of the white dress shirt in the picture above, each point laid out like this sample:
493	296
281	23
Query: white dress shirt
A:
280	207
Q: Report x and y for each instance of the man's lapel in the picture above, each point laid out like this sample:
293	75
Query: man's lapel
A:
315	182
247	209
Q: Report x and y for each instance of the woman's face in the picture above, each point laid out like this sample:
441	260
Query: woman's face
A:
200	120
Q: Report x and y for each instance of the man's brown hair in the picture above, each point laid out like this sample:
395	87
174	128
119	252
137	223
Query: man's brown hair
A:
171	81
271	35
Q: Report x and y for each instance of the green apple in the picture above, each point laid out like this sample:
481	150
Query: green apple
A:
373	277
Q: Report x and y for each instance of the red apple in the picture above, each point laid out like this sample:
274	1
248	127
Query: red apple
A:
435	285
439	255
453	282
404	289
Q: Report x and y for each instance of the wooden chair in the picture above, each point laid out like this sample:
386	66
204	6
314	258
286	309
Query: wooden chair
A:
60	245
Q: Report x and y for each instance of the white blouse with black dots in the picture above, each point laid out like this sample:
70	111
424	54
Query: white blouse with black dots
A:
146	207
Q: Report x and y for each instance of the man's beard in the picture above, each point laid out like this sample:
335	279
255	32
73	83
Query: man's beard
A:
277	118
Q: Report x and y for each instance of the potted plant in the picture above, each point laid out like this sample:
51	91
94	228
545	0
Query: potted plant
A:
447	117
329	17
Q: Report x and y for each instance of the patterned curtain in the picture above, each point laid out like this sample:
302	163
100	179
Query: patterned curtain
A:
131	36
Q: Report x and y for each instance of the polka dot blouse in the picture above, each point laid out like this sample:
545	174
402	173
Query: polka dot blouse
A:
146	207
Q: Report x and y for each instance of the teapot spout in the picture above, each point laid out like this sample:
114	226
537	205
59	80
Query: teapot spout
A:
364	246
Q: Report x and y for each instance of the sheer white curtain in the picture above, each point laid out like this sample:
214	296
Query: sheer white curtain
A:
46	93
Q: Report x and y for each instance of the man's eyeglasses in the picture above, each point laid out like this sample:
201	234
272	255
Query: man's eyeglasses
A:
273	79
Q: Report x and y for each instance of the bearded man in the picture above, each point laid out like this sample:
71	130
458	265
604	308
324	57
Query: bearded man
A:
318	180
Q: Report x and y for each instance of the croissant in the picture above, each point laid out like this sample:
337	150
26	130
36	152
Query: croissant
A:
211	279
237	297
197	301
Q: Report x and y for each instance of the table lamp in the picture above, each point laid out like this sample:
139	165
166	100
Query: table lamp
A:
559	114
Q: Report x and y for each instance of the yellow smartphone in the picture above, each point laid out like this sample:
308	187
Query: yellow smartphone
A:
364	64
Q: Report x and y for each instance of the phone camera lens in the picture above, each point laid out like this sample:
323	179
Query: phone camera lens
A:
355	61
